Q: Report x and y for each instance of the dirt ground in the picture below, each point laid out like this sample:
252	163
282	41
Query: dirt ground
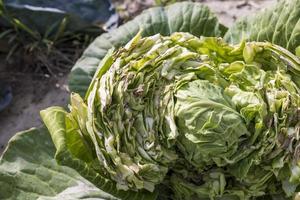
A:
32	93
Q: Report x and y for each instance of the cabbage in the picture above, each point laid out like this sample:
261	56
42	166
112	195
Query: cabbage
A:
198	116
172	115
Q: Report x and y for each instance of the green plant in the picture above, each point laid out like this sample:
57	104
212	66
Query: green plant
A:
171	114
51	51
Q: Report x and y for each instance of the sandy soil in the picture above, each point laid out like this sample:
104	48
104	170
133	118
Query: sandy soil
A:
33	93
229	11
30	95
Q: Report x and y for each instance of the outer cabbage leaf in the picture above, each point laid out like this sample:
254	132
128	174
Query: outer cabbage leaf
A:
279	25
28	170
189	17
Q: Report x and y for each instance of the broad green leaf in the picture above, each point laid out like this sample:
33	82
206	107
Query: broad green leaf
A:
28	170
279	25
189	17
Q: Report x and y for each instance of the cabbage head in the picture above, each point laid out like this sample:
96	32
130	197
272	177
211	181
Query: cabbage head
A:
192	118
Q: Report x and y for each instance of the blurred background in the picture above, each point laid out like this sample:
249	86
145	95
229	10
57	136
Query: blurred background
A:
41	40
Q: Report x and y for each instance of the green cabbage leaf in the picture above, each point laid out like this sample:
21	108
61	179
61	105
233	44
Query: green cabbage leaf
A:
28	170
279	25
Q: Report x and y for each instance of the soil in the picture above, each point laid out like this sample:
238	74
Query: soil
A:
32	93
